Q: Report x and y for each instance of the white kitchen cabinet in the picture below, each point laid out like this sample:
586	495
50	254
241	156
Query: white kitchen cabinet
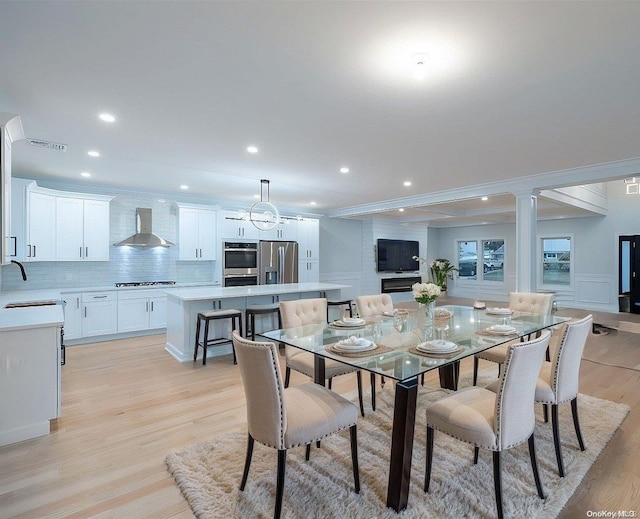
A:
286	230
82	229
235	225
41	227
30	382
309	239
72	315
196	233
308	271
158	313
141	310
99	313
10	131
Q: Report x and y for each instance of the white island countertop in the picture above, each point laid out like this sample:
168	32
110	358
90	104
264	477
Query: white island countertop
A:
31	317
210	292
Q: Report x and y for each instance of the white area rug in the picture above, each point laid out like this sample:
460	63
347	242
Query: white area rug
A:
208	474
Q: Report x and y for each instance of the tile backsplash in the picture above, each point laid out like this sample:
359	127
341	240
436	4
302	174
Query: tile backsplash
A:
125	263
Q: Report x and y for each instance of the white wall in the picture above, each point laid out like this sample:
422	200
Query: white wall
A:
595	253
347	252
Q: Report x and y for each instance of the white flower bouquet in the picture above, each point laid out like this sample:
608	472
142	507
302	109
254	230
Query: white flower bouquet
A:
425	292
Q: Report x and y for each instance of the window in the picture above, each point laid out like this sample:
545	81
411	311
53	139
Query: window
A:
556	261
492	265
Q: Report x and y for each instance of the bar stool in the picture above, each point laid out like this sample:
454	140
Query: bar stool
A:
250	317
346	302
214	316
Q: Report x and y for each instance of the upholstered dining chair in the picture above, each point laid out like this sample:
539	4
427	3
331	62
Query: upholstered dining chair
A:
532	303
558	379
369	306
286	418
494	421
375	304
301	312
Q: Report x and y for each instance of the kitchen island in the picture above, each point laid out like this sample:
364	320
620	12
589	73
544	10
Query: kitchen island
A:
184	304
29	371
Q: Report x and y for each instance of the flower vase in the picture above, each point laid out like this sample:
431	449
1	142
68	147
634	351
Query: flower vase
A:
428	310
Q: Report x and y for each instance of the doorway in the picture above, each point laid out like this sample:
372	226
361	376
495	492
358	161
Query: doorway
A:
629	274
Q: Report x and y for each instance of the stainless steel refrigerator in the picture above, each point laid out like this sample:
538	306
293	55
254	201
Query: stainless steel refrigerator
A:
278	262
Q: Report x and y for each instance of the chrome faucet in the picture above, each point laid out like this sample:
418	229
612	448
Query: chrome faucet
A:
24	274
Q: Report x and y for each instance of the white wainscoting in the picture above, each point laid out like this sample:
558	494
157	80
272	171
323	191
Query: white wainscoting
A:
353	279
596	292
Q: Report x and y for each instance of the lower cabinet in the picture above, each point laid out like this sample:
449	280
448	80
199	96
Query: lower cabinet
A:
72	315
90	314
99	313
141	310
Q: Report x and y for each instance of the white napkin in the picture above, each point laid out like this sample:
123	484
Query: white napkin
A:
503	328
354	343
505	311
438	346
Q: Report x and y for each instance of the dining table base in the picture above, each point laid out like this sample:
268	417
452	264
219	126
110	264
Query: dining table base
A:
449	375
404	419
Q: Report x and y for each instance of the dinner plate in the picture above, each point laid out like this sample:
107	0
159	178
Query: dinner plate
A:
499	311
352	344
437	346
501	329
349	324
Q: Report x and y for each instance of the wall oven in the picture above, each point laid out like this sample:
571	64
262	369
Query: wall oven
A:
239	264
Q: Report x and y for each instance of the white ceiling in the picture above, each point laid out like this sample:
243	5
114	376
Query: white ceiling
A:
517	93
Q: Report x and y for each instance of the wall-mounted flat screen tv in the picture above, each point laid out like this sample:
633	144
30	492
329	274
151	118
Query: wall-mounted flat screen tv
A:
397	255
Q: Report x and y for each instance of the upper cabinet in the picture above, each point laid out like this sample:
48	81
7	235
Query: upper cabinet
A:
286	230
10	131
49	225
309	239
82	229
235	226
41	227
196	232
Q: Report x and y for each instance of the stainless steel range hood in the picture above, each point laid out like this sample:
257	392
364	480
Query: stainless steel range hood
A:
143	236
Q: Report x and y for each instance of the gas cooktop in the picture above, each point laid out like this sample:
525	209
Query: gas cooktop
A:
145	283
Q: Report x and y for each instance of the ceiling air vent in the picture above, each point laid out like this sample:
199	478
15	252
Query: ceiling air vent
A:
56	146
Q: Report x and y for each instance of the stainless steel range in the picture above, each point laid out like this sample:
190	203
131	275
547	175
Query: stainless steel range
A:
145	283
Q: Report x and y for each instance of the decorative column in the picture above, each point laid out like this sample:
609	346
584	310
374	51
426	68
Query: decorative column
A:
526	228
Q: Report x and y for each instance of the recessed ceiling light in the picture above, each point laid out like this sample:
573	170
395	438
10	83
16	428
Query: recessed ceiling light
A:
344	170
252	149
161	200
107	118
420	66
183	187
484	198
401	209
313	203
85	174
93	153
406	183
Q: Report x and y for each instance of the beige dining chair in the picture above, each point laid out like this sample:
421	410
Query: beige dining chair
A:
494	421
532	303
286	418
558	379
302	312
374	304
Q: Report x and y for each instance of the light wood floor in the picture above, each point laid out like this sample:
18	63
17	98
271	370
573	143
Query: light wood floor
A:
127	403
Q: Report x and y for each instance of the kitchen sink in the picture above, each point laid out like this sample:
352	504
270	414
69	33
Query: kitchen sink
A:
26	304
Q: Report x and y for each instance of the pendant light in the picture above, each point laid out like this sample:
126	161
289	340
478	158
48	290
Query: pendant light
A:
263	214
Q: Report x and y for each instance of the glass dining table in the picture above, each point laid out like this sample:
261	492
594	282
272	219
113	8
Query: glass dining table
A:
399	347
